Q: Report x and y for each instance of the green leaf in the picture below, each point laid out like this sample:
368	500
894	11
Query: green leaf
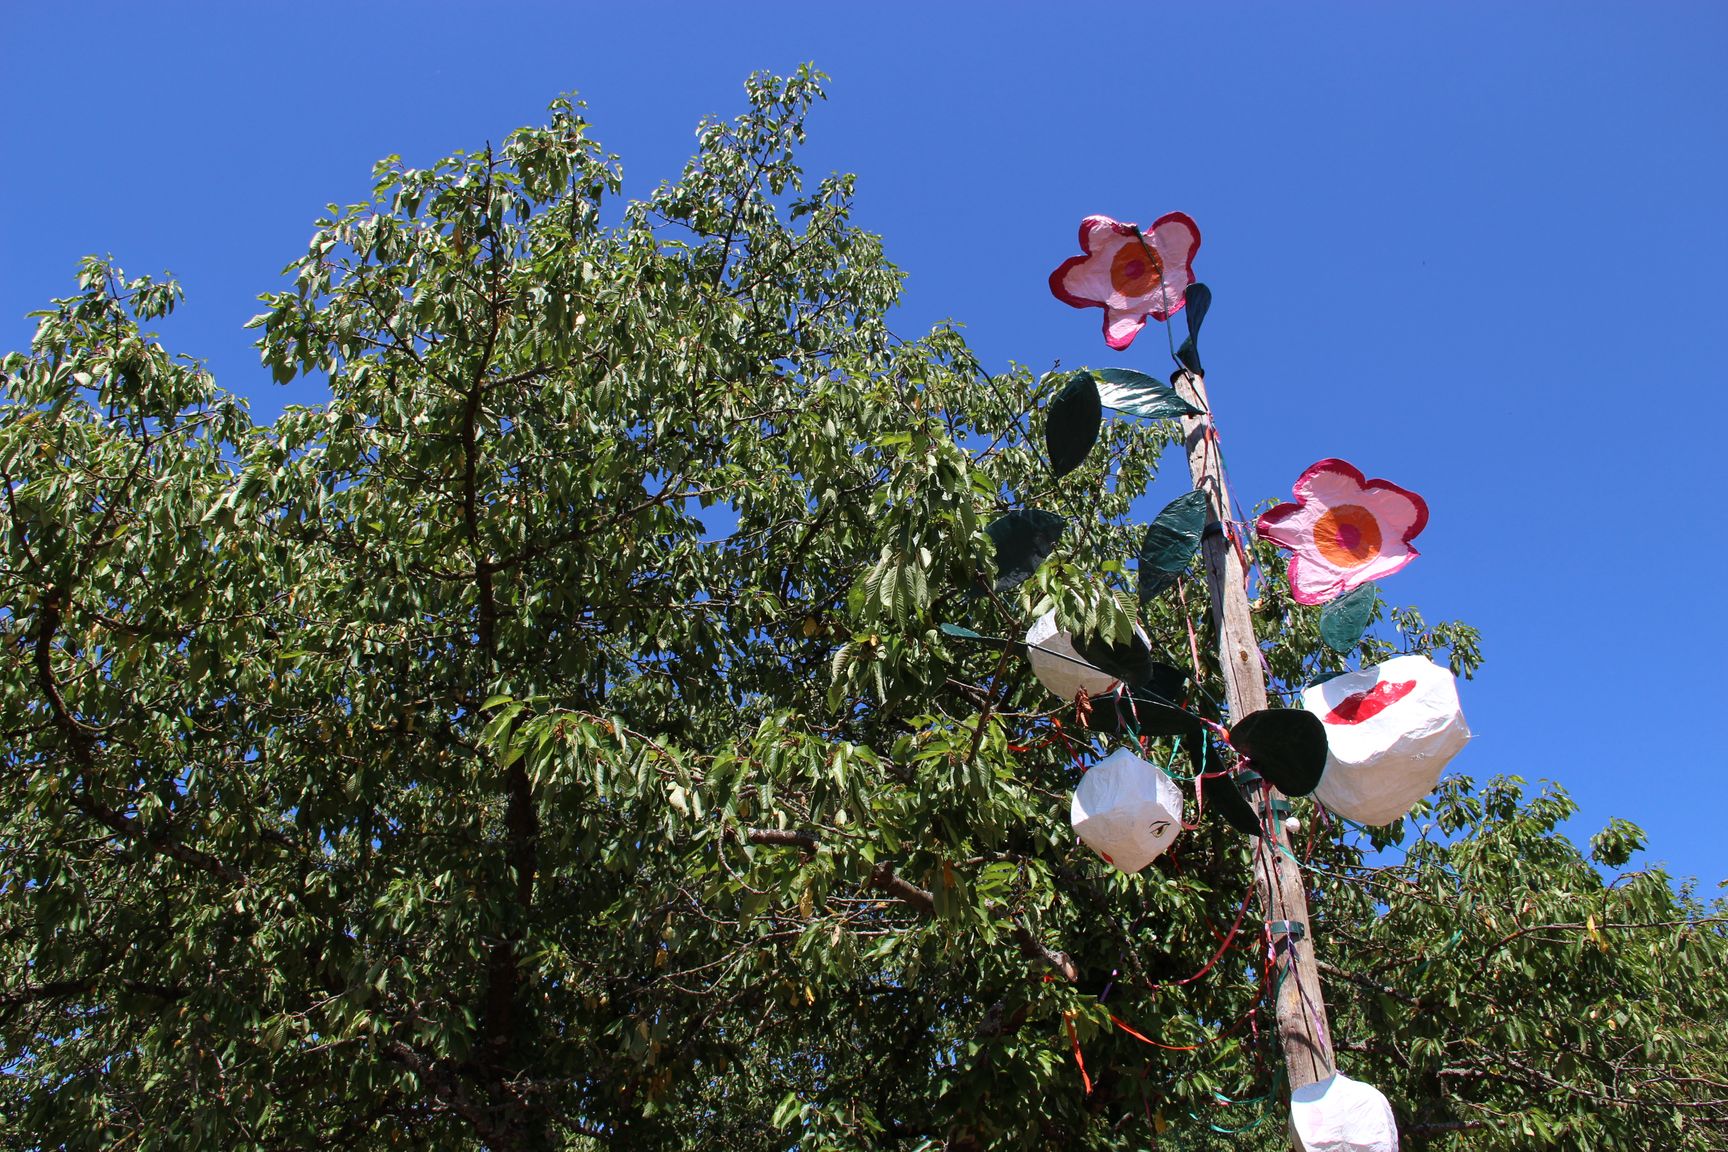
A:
1170	543
787	1111
1024	539
1140	395
1071	424
1343	621
1285	745
705	475
995	879
1197	299
1615	844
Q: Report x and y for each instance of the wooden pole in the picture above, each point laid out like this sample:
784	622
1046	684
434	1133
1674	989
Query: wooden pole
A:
1302	1027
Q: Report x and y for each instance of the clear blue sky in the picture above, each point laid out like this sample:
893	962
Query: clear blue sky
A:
1477	249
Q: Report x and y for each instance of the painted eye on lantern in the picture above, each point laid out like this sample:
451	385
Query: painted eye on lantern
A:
1126	810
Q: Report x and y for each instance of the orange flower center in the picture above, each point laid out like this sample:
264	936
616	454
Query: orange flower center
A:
1136	269
1348	536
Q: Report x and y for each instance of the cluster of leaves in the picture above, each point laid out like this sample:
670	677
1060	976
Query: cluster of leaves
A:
551	741
1498	988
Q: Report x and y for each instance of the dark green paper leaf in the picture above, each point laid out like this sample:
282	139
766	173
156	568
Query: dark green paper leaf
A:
1285	745
1198	298
1222	793
1130	663
1343	621
1140	395
1189	358
1197	301
1023	539
1071	424
1154	719
1164	686
1151	709
1224	797
1170	542
960	633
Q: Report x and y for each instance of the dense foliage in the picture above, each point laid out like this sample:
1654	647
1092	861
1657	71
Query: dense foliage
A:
549	741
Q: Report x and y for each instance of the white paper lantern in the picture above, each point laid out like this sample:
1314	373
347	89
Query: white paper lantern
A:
1126	810
1389	732
1339	1114
1059	667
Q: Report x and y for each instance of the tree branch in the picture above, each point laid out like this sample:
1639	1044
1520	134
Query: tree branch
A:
62	989
786	839
882	878
1526	930
1365	983
81	739
446	1088
1035	949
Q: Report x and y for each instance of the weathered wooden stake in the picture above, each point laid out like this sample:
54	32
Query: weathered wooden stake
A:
1302	1027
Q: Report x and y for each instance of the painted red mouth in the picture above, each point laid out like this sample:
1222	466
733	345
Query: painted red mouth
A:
1367	705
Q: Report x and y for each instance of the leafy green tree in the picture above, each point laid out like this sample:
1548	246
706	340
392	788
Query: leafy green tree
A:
550	741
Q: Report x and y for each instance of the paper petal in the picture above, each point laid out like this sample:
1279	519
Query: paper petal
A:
1344	530
1129	272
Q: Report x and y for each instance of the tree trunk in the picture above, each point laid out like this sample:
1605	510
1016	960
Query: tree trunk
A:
1302	1027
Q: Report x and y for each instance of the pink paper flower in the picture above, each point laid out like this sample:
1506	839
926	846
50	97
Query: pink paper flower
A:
1343	530
1129	273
